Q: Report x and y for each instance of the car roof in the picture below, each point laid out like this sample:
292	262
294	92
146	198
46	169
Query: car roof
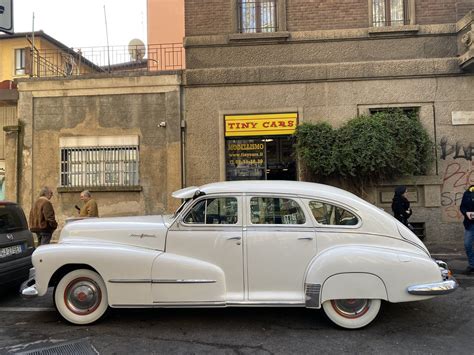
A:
275	186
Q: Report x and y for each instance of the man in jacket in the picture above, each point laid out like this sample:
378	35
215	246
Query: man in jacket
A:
42	219
89	208
467	209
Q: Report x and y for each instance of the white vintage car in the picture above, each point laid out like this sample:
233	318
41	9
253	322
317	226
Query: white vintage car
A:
246	243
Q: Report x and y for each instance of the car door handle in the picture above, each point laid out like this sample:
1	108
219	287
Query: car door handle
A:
305	238
234	238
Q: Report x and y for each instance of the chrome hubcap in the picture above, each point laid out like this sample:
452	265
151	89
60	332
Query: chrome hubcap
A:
82	296
351	308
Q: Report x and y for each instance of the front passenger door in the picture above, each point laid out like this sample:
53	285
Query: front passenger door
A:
204	259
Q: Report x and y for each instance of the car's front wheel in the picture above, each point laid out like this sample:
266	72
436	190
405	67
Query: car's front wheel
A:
352	313
81	296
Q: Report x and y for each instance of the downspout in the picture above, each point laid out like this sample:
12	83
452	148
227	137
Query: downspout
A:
183	133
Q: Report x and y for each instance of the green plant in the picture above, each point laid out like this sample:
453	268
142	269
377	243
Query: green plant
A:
367	149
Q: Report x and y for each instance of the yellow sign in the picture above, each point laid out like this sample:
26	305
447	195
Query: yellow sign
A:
260	125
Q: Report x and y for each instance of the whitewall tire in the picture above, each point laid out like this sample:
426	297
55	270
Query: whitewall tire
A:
352	313
81	296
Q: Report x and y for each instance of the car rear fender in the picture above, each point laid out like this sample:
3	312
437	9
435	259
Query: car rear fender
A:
359	271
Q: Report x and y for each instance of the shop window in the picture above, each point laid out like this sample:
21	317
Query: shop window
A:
260	158
20	61
390	12
257	16
270	210
222	210
99	161
328	214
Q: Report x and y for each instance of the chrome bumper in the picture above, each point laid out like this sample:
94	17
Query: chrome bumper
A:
444	287
28	288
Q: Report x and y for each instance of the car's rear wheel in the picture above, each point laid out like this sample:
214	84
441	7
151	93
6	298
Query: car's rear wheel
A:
352	313
81	296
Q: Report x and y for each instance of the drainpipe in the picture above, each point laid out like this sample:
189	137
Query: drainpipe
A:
183	135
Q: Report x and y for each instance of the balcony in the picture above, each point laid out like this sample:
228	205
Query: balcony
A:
102	60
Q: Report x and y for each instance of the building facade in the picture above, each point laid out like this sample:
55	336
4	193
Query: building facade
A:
255	69
116	135
24	55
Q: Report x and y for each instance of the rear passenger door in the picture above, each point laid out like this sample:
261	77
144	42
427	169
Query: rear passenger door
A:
280	242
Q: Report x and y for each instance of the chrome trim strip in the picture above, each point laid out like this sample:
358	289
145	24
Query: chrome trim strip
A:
434	289
265	303
190	304
183	281
130	281
164	281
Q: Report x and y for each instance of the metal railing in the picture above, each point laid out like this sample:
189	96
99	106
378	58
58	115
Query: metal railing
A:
90	60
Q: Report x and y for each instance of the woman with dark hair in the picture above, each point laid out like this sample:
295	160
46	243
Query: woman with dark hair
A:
400	205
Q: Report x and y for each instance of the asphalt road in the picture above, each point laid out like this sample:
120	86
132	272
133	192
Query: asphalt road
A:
441	325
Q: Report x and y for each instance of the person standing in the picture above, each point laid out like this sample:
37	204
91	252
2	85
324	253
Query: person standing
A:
467	210
42	219
400	205
89	208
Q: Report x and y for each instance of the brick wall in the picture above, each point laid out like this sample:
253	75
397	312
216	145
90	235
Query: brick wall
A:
307	15
207	17
435	11
463	7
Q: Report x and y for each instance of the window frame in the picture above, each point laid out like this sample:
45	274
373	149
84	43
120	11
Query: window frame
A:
20	70
192	204
297	199
336	204
280	19
408	14
112	157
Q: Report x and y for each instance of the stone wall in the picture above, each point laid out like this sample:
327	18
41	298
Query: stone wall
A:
102	106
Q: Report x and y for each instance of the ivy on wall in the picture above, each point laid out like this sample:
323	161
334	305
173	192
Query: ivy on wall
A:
367	149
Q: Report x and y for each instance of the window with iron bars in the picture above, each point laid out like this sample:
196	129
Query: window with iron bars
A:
257	16
390	13
104	166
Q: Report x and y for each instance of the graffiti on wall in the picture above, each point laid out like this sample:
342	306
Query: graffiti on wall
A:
458	174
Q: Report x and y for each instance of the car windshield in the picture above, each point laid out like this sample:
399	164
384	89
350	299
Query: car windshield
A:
180	208
12	219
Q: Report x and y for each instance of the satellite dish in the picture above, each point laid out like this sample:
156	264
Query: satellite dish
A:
136	49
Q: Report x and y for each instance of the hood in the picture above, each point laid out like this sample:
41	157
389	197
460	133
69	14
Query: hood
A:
144	231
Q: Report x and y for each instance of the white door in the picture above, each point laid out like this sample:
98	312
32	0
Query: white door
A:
203	262
280	243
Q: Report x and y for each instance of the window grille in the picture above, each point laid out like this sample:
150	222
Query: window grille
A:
389	13
104	166
257	16
408	111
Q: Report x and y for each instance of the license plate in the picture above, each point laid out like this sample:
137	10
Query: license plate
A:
14	249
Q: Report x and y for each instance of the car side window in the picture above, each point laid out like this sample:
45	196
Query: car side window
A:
221	210
271	210
328	214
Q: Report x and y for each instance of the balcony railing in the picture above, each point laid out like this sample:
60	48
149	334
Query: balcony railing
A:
92	60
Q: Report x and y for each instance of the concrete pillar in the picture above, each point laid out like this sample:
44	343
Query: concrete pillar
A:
11	162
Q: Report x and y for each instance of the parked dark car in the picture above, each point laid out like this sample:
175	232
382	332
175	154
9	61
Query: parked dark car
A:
16	245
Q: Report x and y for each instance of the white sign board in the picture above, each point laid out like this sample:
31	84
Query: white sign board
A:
6	16
462	117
